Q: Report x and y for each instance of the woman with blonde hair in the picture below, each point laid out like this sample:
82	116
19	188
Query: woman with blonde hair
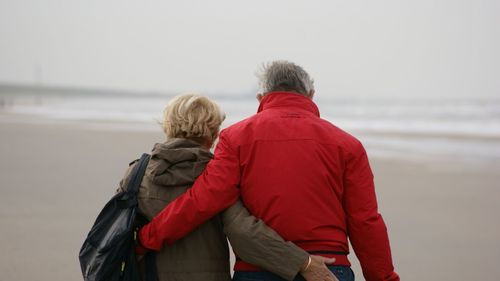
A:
191	125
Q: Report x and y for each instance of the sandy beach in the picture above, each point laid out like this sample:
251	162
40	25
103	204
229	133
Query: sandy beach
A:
442	215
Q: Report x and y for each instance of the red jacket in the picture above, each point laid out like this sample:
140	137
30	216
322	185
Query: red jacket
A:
307	179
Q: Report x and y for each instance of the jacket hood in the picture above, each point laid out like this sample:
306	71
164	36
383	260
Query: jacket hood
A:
177	162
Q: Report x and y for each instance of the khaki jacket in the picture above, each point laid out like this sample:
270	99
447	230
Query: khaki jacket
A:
204	253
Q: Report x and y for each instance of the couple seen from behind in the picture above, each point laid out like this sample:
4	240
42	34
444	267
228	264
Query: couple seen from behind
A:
287	188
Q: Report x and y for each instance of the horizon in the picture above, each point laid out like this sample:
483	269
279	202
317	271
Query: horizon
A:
32	88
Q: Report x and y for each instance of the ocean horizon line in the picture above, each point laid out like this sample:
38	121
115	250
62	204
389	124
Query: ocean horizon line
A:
9	88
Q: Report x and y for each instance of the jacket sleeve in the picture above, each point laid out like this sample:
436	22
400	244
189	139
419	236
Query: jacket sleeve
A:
256	243
365	227
213	191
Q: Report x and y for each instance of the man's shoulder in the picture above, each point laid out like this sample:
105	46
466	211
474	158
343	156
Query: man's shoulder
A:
328	131
343	140
337	133
240	126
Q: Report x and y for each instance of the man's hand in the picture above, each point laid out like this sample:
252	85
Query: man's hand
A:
316	270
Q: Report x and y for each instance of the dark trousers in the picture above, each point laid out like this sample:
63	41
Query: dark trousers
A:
343	273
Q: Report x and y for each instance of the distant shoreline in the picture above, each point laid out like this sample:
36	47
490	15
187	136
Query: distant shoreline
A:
465	131
30	89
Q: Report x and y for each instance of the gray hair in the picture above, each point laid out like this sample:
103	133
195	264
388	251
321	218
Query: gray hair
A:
283	75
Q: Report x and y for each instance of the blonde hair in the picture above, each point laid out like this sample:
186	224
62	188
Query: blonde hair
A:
192	116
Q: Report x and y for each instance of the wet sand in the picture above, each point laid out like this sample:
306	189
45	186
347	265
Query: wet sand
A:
442	214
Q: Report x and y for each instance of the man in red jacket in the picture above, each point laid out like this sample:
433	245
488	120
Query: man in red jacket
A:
304	177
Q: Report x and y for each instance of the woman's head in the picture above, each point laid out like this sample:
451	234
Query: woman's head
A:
194	117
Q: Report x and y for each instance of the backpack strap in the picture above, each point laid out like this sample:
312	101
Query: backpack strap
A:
134	183
138	173
151	272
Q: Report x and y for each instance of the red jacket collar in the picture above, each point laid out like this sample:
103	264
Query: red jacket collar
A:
289	100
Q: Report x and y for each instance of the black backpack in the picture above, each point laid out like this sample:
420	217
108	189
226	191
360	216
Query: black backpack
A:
107	254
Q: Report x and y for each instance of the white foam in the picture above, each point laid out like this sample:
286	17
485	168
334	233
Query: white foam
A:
439	127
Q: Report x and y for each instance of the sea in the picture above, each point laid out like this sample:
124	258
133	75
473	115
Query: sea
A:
457	129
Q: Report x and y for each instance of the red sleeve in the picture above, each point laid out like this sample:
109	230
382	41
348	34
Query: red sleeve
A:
365	227
215	189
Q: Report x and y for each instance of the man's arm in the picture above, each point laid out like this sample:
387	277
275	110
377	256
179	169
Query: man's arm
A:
214	190
365	227
256	243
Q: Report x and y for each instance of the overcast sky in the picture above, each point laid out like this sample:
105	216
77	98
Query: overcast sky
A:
352	48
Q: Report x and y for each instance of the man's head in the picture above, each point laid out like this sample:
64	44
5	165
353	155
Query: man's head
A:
284	76
194	117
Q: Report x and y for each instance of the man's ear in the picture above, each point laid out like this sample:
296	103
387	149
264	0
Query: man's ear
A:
311	94
259	97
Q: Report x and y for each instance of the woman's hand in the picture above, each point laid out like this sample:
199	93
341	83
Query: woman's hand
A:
315	269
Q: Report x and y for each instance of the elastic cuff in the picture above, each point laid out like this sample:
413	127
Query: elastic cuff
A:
296	260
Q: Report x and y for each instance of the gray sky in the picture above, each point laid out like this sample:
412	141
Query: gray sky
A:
352	48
